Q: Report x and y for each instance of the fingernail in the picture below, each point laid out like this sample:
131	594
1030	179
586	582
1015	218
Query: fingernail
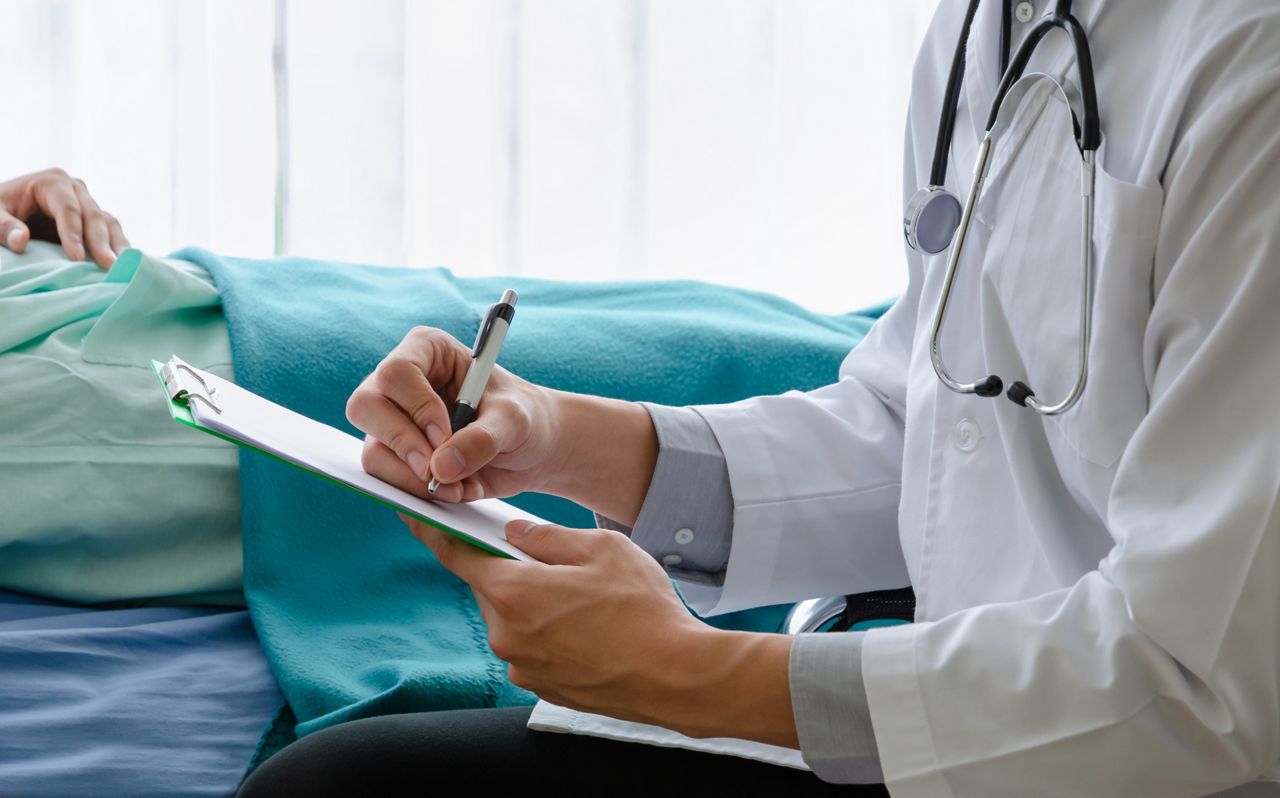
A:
518	529
420	464
435	436
451	463
479	491
14	238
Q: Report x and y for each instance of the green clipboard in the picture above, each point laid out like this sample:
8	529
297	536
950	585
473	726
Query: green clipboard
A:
179	401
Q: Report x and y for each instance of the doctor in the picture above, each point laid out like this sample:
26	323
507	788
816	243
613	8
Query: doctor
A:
1098	588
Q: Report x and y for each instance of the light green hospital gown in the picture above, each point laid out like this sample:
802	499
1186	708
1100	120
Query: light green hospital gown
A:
102	496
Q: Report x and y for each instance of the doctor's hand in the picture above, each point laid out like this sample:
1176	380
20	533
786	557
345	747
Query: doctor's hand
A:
595	625
53	206
403	407
598	452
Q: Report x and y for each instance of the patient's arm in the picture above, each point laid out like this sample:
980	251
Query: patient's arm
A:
54	206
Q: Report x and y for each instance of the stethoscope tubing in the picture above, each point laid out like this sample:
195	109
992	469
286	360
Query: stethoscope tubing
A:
1088	137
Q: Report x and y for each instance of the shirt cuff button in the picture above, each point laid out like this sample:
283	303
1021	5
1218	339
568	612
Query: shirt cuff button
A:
672	559
684	536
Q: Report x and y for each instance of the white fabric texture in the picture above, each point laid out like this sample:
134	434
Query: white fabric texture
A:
1099	593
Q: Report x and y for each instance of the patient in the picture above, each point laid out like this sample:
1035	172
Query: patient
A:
92	488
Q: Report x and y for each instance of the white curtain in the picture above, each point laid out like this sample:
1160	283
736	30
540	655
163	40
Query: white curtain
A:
755	143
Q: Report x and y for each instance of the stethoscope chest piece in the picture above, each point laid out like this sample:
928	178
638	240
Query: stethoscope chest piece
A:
930	219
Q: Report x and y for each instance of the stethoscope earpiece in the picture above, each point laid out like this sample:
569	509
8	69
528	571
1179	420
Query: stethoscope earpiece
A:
1019	393
991	386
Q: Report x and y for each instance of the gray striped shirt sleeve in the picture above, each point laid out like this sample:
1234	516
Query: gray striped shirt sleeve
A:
686	521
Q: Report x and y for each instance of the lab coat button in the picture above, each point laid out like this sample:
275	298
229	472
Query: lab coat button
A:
1024	11
672	559
966	435
684	536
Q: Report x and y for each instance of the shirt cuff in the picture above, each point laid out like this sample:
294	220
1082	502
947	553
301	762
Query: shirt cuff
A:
829	700
686	520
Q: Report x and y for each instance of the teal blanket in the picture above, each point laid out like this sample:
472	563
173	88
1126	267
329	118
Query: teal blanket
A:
356	617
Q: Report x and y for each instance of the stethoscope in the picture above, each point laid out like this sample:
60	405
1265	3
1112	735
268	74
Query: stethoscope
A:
934	218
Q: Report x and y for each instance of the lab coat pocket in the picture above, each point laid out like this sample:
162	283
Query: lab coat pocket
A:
1039	284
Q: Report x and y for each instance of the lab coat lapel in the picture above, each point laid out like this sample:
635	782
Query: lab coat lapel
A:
1054	57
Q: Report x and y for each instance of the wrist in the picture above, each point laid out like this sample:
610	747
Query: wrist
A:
603	453
732	684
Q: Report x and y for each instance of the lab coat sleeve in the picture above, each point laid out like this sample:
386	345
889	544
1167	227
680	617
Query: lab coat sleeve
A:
1157	673
816	478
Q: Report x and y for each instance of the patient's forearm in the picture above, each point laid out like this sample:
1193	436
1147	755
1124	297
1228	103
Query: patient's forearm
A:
606	457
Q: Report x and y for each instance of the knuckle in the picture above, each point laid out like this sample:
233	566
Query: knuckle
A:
500	644
484	442
606	540
399	442
501	595
502	405
367	455
421	412
519	677
520	413
56	173
423	334
80	184
393	371
358	403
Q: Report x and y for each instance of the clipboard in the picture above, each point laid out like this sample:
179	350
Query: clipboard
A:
218	407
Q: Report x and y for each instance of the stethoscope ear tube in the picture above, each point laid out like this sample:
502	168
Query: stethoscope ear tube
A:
1020	393
1089	136
991	385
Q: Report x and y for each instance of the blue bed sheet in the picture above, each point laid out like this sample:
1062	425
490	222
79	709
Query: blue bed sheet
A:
160	701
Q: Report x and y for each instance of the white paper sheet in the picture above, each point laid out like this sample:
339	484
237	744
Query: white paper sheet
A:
318	447
554	718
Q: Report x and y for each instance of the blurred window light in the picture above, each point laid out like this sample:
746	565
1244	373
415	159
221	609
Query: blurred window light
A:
754	143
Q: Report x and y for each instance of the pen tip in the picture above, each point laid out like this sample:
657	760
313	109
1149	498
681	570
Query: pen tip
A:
432	486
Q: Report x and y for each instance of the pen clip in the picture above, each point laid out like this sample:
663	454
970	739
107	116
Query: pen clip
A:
486	327
505	309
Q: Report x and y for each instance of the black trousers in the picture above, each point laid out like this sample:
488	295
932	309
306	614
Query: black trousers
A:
486	750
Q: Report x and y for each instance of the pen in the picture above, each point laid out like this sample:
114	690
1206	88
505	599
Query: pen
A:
484	354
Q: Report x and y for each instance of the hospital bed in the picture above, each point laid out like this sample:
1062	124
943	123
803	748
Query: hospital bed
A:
128	661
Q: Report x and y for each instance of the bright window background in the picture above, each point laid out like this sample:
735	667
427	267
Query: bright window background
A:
756	143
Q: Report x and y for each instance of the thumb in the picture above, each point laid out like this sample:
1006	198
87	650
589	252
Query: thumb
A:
549	543
471	448
13	233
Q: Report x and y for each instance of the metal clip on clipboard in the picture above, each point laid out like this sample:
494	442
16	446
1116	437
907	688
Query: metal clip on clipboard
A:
176	384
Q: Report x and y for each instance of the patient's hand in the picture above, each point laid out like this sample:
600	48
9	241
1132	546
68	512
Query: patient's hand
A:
53	206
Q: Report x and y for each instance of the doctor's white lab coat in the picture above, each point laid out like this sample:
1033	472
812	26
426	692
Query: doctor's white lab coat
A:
1099	592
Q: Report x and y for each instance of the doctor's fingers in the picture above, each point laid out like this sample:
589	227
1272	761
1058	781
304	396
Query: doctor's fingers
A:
386	465
476	567
373	413
501	426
